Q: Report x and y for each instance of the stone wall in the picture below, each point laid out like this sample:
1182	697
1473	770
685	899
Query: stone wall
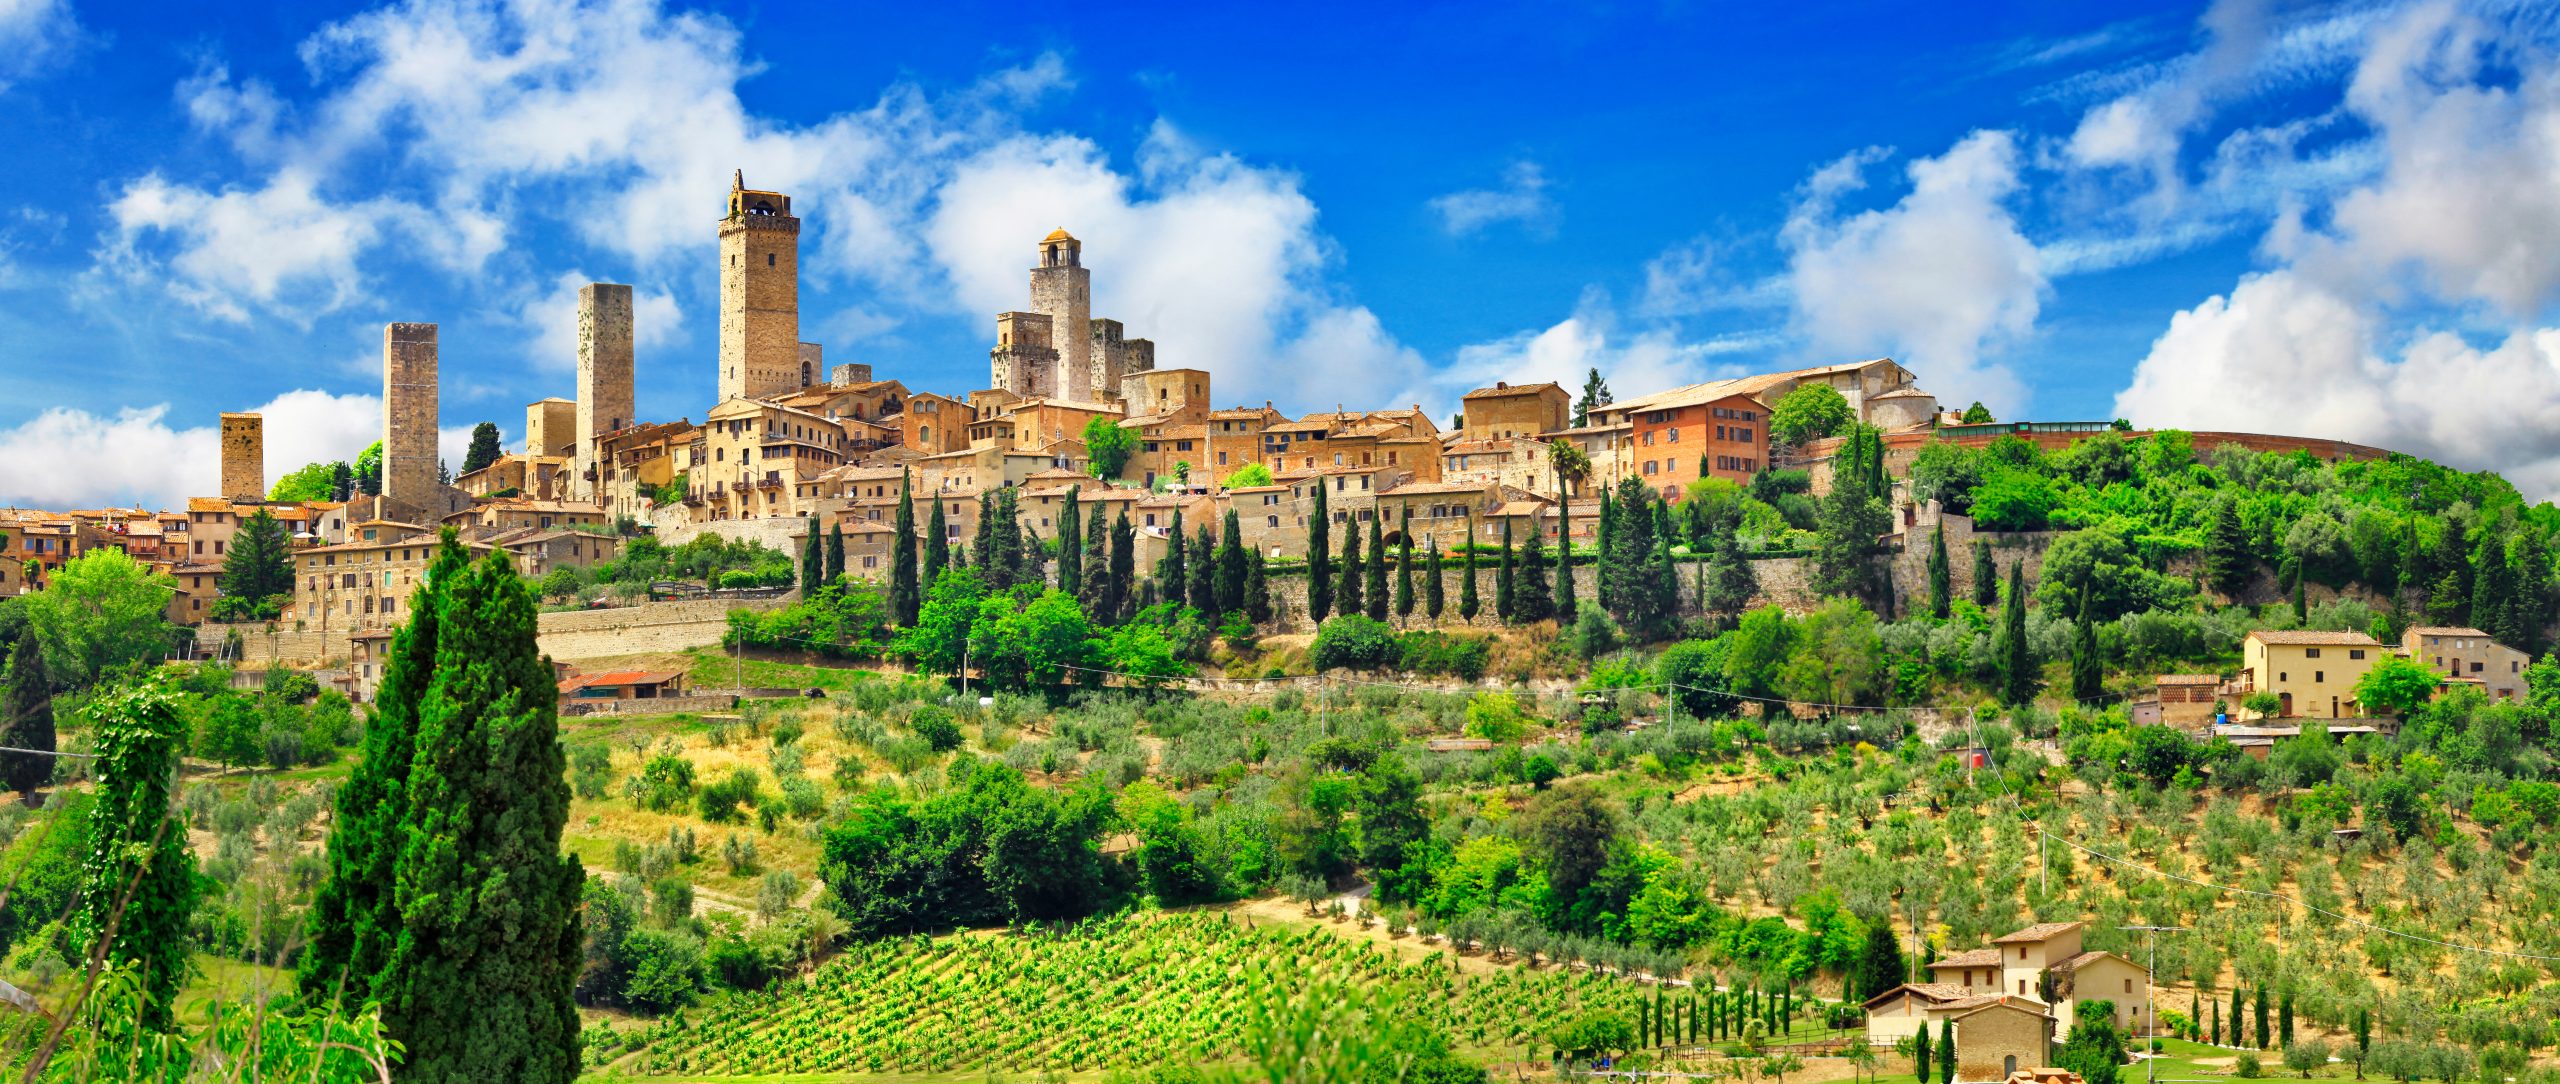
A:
632	630
656	705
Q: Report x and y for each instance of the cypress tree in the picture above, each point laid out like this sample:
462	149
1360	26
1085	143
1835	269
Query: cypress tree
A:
2226	550
1532	599
1071	546
2364	1036
1171	578
354	922
2529	603
1233	568
2086	680
27	699
835	552
478	987
2492	588
1563	604
1204	573
1404	566
1603	528
1503	606
1947	1051
982	543
2216	1008
937	549
2301	599
1986	578
1435	595
137	884
1940	572
2259	1004
2017	666
1346	588
2239	1017
1257	591
1373	587
1920	1054
902	562
2284	1020
1093	570
1663	575
813	559
1124	568
1319	557
1467	602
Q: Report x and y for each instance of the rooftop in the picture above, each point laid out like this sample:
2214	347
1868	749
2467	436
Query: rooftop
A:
2313	638
2042	931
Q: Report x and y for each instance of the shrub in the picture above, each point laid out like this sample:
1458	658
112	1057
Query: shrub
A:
665	783
934	724
1431	652
721	802
1355	642
1496	717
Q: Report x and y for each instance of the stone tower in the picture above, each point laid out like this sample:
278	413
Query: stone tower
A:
409	417
244	457
1062	290
1024	361
759	295
551	427
604	375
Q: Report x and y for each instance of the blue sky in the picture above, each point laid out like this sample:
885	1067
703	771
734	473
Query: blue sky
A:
2329	219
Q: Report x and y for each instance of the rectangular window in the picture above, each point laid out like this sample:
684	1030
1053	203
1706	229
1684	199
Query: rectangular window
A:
2319	677
2355	653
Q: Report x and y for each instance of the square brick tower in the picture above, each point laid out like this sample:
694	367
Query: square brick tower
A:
759	295
550	427
244	457
604	377
409	417
1062	289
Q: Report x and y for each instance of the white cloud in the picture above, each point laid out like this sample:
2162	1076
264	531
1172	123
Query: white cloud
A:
1522	198
2143	128
1694	276
1936	280
240	247
1634	360
33	34
65	458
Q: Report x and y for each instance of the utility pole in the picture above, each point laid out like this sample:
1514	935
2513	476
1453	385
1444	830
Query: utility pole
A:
2150	981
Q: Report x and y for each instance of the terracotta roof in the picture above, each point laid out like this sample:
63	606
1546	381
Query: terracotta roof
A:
2042	931
208	504
1508	390
1981	957
1426	488
618	677
1972	1005
2446	630
2187	679
2086	958
1240	413
2313	638
1933	991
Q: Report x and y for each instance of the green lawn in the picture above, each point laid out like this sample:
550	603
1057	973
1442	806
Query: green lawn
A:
712	668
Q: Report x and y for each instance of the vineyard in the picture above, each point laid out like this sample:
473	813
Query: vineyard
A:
1122	992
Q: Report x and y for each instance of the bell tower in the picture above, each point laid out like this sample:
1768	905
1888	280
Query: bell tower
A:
1062	290
759	294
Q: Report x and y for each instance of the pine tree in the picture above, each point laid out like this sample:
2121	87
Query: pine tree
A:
835	552
1532	599
258	569
1232	565
904	597
1435	595
1319	557
354	920
1071	546
2226	550
1172	575
1093	570
2017	665
1257	590
1351	578
1404	567
1124	568
26	696
1467	602
1562	605
1940	574
484	447
486	800
1986	577
1373	585
813	558
2492	590
2087	681
137	883
937	547
1204	573
2529	601
1503	605
1595	394
342	482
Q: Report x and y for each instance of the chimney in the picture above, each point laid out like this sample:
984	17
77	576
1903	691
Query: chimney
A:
1498	385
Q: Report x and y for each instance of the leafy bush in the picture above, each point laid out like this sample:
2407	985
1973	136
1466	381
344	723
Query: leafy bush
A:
723	802
1355	642
1434	652
665	783
934	724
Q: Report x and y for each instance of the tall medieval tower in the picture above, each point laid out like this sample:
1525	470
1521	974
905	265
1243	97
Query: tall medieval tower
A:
244	457
604	376
409	417
760	295
1062	289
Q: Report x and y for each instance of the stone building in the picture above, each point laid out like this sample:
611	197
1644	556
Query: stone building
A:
1057	349
759	296
605	385
1505	411
409	417
551	428
2468	656
760	452
364	583
244	457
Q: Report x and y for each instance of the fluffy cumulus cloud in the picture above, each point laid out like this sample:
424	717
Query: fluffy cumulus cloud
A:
65	458
34	34
1522	198
2348	335
1939	280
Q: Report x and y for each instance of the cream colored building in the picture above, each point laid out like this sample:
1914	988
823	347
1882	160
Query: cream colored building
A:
2313	673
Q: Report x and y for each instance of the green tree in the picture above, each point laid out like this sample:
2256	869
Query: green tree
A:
342	482
1093	572
484	447
2397	685
1855	516
1404	567
1124	569
1248	476
2258	1018
1319	556
1108	446
257	574
1071	545
2094	1047
2284	1021
100	612
138	882
813	558
1203	571
1946	1050
1940	573
1435	594
26	696
1595	394
1920	1055
310	482
1635	584
1257	589
368	470
1977	414
903	585
2087	673
1986	576
835	553
1504	604
1531	598
1234	567
1810	412
1373	584
2018	672
1173	574
1468	604
937	546
1563	607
